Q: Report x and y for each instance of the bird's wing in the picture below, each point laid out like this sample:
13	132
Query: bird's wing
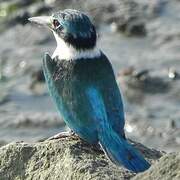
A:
113	103
101	79
72	102
104	83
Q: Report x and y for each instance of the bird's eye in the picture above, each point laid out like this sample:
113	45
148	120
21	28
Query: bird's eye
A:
56	24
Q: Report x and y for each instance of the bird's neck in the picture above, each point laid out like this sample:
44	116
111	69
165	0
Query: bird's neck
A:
65	51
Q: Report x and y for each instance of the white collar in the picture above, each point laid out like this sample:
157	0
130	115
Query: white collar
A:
65	51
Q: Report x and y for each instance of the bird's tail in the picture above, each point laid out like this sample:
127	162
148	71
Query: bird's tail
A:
121	152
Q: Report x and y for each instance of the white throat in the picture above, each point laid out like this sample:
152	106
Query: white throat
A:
66	52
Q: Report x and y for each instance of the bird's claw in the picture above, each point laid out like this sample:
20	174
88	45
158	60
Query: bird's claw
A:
62	135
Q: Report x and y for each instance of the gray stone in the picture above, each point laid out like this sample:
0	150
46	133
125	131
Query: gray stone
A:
168	167
67	158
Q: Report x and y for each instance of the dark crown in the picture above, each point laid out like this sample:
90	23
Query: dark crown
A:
75	28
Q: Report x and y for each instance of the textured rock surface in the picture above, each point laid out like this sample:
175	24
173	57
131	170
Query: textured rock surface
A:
68	158
168	167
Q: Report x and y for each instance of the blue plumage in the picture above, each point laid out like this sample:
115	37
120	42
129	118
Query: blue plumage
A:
84	89
115	146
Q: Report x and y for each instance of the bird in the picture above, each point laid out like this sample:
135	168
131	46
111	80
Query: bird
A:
82	84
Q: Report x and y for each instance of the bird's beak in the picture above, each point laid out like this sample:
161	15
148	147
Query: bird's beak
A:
42	20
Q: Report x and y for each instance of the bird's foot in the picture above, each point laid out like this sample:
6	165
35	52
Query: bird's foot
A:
62	135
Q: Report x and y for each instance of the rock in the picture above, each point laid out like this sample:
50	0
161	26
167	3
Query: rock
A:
136	29
67	158
37	82
173	74
38	76
131	27
145	80
168	167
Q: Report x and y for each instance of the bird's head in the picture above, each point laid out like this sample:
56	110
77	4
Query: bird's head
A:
71	28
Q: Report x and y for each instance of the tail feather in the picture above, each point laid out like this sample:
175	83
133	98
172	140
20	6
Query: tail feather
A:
121	152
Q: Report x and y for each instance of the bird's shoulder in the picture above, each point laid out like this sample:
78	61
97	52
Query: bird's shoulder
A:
84	68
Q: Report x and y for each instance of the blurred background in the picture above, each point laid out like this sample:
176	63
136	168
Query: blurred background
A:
140	37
